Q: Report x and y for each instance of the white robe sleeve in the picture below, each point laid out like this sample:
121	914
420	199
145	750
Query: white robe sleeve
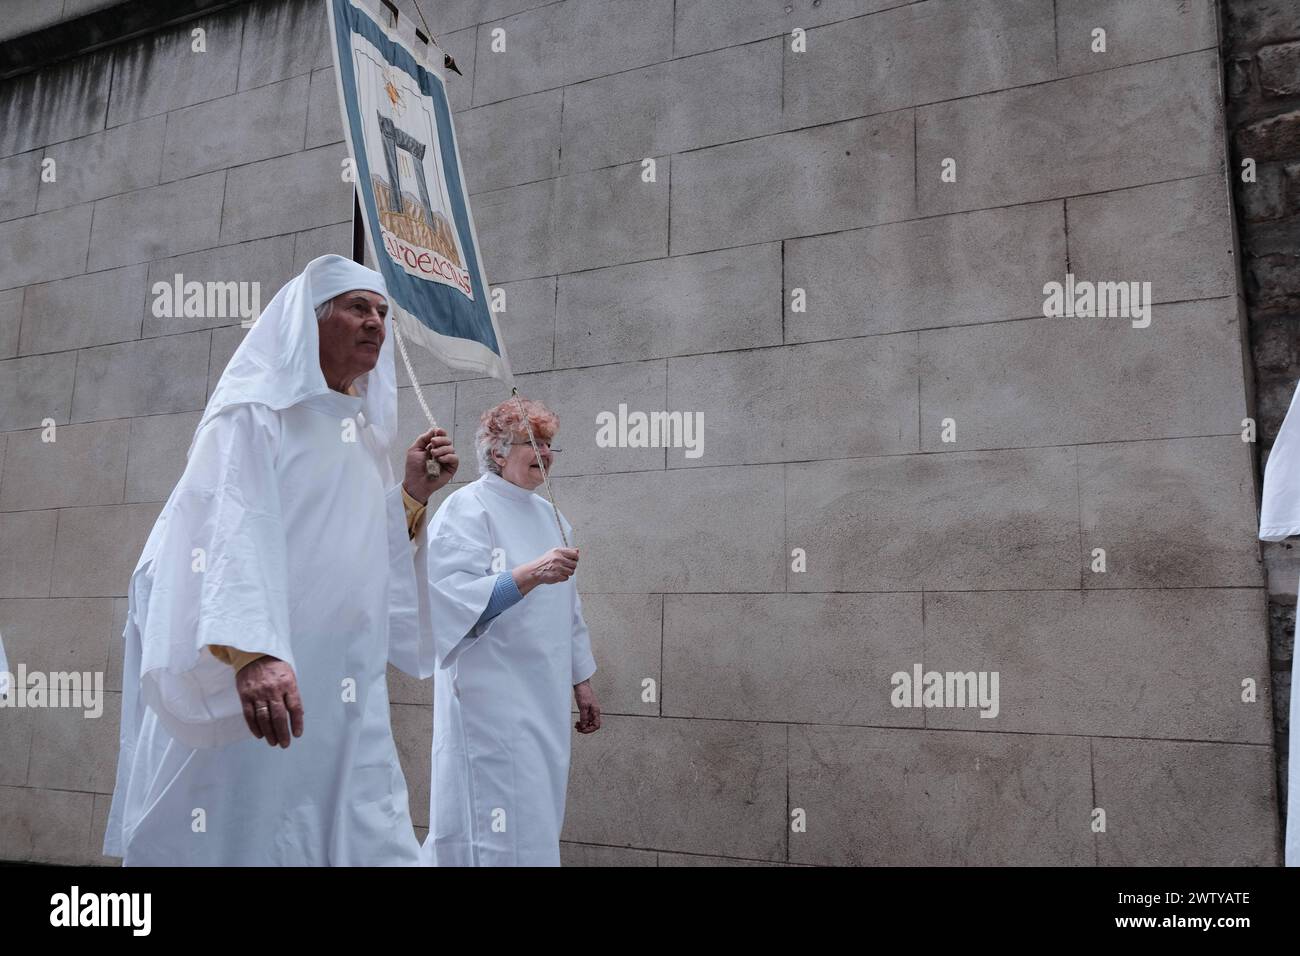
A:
1280	509
4	672
460	577
214	572
410	628
584	665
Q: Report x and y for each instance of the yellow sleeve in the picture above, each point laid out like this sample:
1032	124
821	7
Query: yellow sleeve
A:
414	512
235	658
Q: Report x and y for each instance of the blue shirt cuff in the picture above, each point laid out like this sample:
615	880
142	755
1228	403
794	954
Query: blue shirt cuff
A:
505	594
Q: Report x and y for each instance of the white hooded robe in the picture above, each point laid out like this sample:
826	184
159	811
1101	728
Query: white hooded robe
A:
502	690
1280	518
282	537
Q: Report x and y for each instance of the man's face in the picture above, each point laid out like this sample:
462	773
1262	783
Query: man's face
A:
352	335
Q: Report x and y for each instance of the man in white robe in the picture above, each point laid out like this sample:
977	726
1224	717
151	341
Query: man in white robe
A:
511	648
1280	519
275	586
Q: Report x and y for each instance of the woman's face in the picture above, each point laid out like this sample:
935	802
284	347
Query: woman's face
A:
520	466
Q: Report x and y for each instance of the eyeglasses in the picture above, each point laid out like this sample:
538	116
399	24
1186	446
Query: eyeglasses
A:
554	451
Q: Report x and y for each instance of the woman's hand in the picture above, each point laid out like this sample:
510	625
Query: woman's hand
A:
554	567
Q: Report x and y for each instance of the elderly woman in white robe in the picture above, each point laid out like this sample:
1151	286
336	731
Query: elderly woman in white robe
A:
511	647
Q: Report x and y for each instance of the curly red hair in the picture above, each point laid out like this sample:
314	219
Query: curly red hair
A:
503	423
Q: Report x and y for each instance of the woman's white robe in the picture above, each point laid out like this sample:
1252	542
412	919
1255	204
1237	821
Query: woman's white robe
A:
1279	519
502	690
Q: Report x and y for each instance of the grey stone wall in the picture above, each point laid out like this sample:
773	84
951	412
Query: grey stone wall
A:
776	170
1262	52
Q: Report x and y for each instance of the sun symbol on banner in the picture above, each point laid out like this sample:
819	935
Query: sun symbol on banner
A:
394	94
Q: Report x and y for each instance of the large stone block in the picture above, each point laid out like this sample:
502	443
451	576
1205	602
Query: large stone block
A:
55	104
157	222
578	397
1136	30
1185	803
156	454
514	231
679	105
83	311
335	239
149	377
681	305
928	798
1059	381
97	549
948	270
261	265
794	184
35	388
609	216
413	735
58	634
84	465
241	128
695	529
284	39
286	194
1059	139
1075	662
799	402
888	61
26	553
45	826
1170	514
710	24
15	753
1177	236
48	246
163	71
20	178
702	786
461	46
790	658
511	142
564	43
11	316
117	160
324	118
959	521
584	854
74	751
626	640
582	221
